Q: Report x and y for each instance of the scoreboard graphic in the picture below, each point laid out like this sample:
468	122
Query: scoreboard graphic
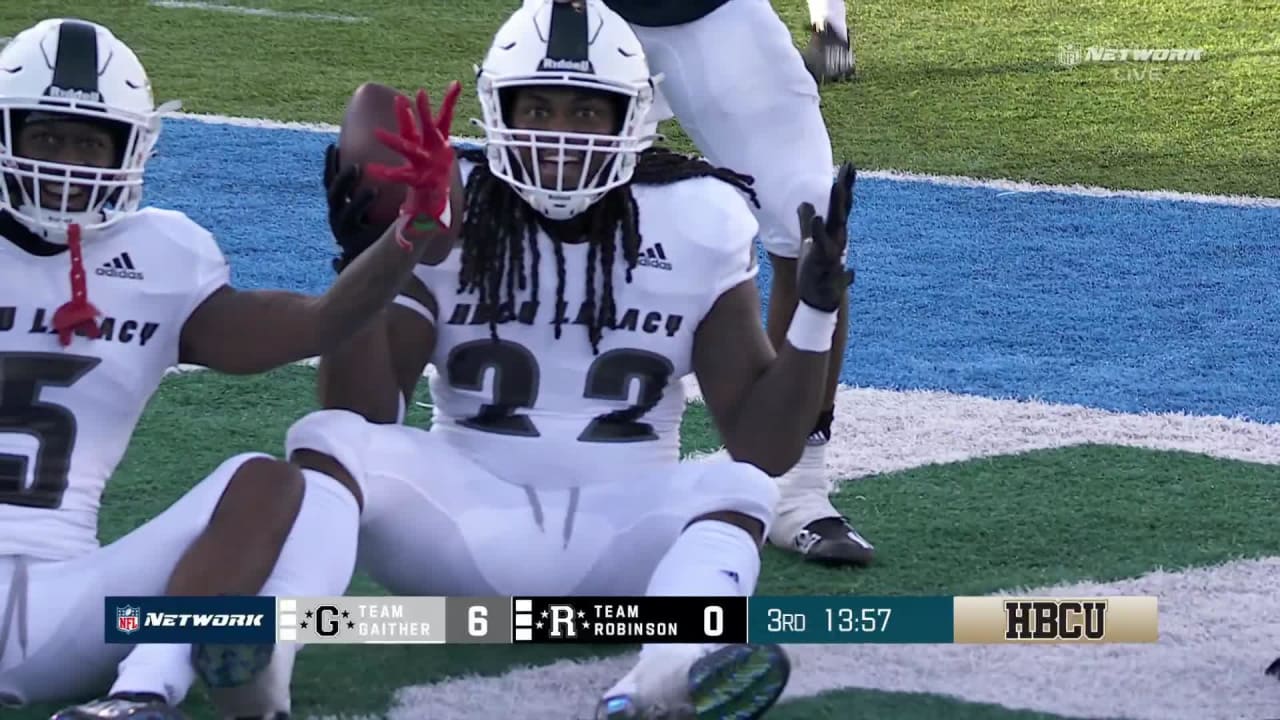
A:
632	620
623	620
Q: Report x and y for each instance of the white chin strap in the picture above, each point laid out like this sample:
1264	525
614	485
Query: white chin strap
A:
53	228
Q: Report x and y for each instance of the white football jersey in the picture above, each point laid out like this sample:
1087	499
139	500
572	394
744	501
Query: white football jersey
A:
67	413
546	412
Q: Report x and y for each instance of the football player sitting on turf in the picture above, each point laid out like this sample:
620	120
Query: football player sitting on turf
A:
148	289
591	276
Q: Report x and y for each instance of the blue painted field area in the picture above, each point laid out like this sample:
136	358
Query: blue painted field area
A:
1129	305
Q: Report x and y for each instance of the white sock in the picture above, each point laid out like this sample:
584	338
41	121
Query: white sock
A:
163	670
804	496
829	13
709	558
317	558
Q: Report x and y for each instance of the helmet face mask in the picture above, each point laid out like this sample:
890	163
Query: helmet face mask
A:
570	54
54	175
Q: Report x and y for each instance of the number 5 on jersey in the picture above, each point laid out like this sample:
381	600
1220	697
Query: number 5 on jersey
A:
50	429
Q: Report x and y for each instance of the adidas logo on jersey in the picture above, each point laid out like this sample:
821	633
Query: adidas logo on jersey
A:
654	257
121	267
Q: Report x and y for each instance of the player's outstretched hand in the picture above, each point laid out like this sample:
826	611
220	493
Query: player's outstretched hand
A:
822	275
429	160
348	208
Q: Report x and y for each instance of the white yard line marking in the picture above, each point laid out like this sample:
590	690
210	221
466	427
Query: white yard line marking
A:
256	12
1006	188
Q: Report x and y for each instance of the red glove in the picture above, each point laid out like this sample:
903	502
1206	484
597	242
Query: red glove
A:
428	168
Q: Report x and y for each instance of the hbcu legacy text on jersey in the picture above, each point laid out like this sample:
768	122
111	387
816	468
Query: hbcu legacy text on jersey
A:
66	414
542	411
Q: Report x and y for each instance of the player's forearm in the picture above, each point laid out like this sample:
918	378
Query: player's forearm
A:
368	285
357	375
779	408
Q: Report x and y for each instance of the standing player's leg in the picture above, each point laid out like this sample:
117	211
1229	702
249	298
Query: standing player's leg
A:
829	56
252	526
758	113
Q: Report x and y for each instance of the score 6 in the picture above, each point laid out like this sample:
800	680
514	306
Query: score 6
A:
477	621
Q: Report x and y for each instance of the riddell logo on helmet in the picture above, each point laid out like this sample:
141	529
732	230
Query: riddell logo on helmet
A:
575	65
55	91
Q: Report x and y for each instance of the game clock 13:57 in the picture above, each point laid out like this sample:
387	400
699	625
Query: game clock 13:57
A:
849	619
855	620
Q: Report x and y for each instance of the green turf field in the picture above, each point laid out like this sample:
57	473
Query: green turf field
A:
948	88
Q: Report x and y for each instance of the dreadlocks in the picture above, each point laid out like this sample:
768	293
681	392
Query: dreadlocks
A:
499	225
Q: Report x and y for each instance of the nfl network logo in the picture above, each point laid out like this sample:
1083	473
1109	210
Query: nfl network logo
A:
1069	55
127	619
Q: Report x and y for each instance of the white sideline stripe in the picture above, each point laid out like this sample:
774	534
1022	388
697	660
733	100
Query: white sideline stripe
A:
903	429
258	12
1217	633
880	431
1006	187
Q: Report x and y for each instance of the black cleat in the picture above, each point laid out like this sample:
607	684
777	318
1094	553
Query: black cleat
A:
833	541
829	57
125	706
1274	669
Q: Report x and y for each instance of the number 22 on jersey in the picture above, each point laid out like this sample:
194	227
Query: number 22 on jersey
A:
515	386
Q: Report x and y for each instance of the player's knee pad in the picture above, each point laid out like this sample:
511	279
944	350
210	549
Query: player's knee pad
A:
340	434
779	224
738	487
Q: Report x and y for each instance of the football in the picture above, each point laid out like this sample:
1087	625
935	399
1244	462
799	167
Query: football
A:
372	106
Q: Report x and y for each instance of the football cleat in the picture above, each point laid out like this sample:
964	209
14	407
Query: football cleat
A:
1274	669
829	57
735	682
125	706
833	541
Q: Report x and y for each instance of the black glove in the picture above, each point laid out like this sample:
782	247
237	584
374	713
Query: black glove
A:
347	211
822	277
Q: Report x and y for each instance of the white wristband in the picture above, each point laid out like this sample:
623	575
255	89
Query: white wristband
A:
811	330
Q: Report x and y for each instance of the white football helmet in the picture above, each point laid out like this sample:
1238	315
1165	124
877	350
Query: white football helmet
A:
577	44
64	68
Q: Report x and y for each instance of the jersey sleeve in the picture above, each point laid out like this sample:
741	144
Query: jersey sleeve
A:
198	265
210	269
734	250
